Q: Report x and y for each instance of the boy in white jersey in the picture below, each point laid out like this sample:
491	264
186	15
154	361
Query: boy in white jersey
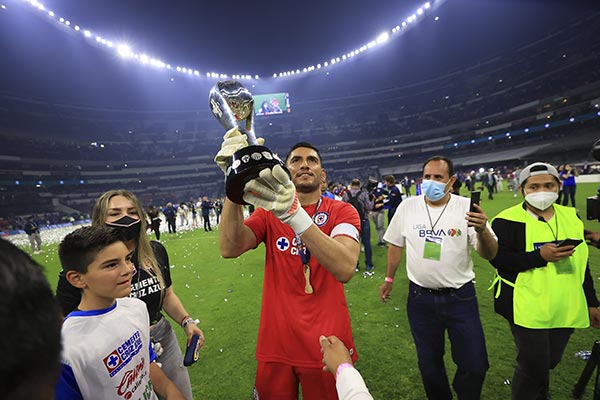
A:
107	353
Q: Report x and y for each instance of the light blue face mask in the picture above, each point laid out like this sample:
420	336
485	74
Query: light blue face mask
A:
433	190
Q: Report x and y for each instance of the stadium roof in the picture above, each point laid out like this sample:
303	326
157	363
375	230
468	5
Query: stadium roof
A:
43	60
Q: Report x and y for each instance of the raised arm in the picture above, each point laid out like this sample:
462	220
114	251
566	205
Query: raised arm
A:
235	238
487	245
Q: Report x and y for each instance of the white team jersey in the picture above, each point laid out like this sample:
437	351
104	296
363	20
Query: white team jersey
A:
107	353
410	227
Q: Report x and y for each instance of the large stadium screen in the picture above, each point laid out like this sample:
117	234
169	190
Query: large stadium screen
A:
271	104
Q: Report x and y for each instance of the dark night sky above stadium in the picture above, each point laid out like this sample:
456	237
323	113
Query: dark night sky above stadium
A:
261	37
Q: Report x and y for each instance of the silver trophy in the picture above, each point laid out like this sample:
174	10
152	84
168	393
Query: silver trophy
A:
230	103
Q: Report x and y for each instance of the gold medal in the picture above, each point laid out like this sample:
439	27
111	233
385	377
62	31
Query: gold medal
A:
308	289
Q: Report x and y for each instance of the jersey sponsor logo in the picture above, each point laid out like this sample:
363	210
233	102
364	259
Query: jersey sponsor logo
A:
452	232
432	232
120	357
321	218
132	380
282	243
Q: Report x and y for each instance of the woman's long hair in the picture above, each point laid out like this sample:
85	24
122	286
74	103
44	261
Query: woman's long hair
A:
145	255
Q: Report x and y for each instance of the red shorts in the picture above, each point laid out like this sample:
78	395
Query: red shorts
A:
276	381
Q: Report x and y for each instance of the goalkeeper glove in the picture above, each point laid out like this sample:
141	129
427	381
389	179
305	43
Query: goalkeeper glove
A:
233	141
274	191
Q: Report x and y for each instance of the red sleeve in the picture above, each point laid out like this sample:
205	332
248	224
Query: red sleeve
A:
258	223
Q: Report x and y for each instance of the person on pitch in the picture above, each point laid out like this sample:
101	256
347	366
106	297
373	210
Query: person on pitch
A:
312	246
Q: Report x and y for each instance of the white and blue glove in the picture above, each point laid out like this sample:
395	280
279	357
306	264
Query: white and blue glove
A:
274	191
233	141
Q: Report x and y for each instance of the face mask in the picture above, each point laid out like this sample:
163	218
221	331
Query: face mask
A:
541	200
433	190
129	226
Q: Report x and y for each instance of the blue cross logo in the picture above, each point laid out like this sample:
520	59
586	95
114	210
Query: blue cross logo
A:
112	361
282	243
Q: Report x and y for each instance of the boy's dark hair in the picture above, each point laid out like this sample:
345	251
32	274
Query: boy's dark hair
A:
308	146
441	158
29	328
79	248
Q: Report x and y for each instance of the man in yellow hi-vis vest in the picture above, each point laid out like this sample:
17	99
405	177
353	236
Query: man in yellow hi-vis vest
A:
543	288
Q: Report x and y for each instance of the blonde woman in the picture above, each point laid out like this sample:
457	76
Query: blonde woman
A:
151	283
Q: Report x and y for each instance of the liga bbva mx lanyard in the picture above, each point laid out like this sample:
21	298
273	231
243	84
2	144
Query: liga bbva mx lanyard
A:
304	254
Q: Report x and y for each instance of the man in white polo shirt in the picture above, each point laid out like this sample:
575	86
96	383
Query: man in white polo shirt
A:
436	229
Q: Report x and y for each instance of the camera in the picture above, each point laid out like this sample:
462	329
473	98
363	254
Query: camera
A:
593	203
371	185
593	207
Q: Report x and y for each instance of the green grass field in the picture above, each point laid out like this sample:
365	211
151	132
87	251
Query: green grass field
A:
225	295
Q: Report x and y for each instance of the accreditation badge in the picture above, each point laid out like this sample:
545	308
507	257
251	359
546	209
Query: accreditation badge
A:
564	266
433	248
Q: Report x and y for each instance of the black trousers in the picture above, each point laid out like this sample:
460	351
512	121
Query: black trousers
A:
171	225
538	351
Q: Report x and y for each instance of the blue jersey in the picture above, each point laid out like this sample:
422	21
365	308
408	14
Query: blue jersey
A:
107	353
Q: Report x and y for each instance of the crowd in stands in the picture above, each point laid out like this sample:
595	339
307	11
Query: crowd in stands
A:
477	110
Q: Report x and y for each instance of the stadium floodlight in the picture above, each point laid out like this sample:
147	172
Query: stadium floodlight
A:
87	33
383	38
571	119
124	51
436	18
3	7
144	59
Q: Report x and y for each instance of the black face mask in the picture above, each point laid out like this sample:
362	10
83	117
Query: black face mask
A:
129	226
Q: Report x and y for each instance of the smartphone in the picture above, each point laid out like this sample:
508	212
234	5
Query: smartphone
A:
475	198
569	242
191	353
